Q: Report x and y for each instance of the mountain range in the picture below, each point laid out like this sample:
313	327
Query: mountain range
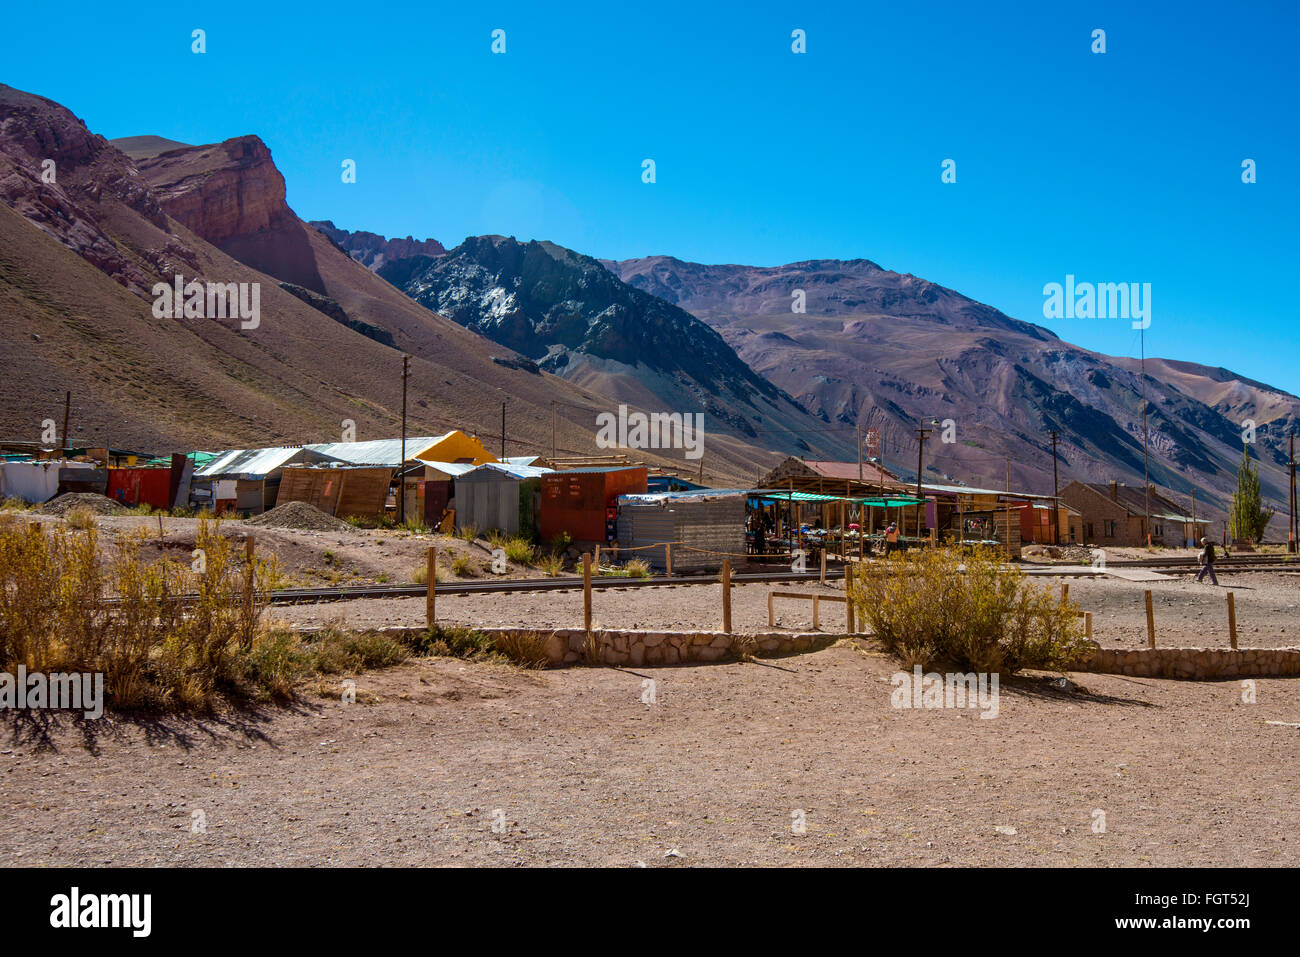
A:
787	359
897	352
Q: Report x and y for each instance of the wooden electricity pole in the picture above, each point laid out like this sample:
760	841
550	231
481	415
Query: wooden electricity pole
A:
1056	493
859	450
1294	528
401	475
67	409
503	430
920	450
1008	508
554	447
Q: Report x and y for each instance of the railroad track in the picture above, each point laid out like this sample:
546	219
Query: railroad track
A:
1262	561
289	596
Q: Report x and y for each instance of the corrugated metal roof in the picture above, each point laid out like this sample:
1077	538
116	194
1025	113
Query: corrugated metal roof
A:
253	463
515	471
589	469
968	490
871	472
691	495
520	459
379	452
451	468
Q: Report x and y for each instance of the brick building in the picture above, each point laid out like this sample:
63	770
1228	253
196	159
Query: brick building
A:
1116	514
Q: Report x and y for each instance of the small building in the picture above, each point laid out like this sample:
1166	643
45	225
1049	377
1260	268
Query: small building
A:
850	479
337	489
499	497
583	502
1117	514
705	525
132	486
247	481
35	482
423	502
1036	523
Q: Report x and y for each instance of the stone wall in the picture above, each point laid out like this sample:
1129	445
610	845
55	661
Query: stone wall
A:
1196	663
567	646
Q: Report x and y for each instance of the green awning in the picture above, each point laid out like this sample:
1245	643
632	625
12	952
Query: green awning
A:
780	495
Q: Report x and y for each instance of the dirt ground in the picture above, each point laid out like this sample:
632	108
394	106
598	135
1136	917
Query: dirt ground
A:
575	768
354	556
1187	614
447	762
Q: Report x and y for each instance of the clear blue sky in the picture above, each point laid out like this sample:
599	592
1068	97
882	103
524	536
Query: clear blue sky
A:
1123	166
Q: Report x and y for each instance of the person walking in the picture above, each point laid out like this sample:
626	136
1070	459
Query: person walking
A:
1207	561
891	538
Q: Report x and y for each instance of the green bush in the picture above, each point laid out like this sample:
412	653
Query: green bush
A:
935	609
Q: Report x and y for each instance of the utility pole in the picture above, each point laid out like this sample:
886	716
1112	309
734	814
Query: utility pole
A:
920	451
67	409
554	449
1196	539
1294	529
401	474
859	448
1008	508
1056	493
1146	455
503	430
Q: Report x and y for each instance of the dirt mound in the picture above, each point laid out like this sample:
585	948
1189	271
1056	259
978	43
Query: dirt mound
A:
300	515
98	504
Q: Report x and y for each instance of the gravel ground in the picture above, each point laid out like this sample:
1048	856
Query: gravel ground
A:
582	771
1187	614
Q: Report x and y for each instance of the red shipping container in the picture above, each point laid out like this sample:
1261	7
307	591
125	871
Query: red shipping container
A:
576	501
140	486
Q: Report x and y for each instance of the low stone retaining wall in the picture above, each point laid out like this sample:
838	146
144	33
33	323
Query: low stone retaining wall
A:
1196	663
567	646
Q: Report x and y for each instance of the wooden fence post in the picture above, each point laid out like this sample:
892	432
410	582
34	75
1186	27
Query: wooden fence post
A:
1232	620
1065	593
668	558
848	599
1151	622
248	586
586	591
726	595
597	559
823	563
1087	624
430	585
771	609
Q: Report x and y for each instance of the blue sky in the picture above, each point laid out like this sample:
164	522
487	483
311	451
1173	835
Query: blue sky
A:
1115	167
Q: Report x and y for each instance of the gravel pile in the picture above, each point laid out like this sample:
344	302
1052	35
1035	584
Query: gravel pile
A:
300	515
97	504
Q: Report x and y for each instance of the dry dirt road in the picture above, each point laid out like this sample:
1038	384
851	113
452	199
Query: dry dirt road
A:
573	767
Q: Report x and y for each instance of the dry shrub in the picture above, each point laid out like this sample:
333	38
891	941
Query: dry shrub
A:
593	653
80	518
524	648
934	608
552	565
62	610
